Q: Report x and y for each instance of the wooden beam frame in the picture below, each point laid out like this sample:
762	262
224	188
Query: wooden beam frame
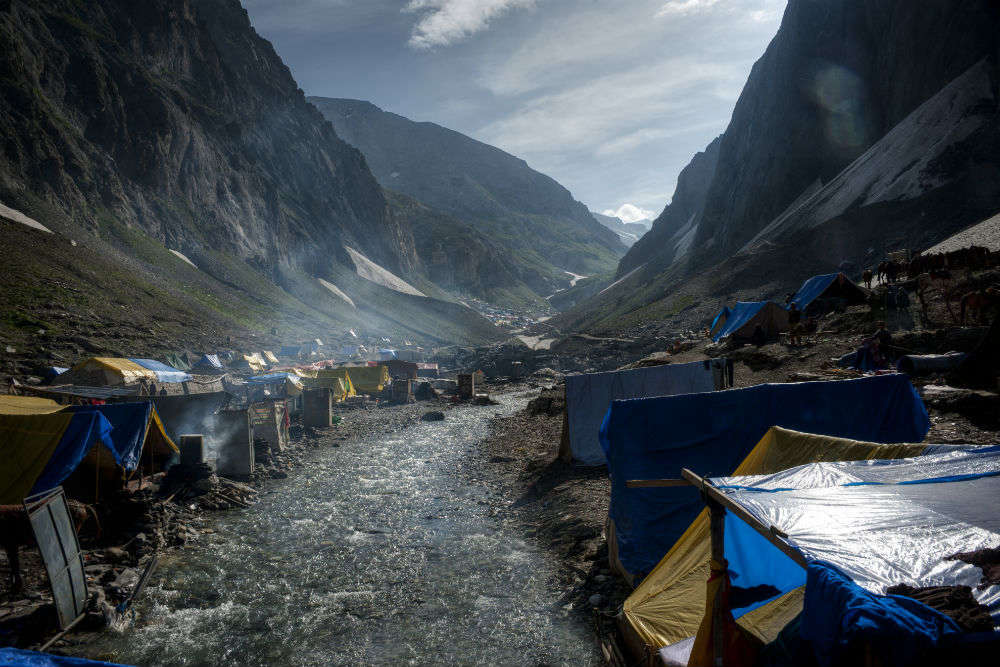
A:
772	534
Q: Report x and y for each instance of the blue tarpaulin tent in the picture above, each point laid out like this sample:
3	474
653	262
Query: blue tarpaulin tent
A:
15	657
130	423
835	285
711	433
720	320
746	315
209	363
85	429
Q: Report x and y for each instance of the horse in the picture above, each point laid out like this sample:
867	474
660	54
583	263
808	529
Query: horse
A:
979	301
867	278
15	532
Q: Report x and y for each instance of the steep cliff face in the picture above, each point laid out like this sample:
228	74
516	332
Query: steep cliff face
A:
526	213
865	127
835	79
176	117
675	229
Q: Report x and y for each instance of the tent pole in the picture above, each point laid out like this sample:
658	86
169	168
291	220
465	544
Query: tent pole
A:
717	519
771	533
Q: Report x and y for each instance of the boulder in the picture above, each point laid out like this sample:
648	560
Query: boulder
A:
433	416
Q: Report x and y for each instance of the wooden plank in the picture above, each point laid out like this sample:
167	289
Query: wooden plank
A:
655	483
770	533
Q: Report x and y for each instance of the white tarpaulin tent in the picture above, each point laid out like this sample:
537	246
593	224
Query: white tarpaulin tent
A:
588	397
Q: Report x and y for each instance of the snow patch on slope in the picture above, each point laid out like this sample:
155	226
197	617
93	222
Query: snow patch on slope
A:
336	291
16	216
183	257
369	270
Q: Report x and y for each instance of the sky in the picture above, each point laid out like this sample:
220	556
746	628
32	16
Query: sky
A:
611	98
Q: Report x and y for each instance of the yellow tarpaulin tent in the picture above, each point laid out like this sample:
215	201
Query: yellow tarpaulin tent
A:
26	444
669	604
369	379
334	383
327	377
269	357
116	371
255	361
27	405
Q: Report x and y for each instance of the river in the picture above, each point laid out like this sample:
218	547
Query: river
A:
376	552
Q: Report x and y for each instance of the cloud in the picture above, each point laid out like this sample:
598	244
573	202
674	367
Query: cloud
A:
673	7
630	213
445	22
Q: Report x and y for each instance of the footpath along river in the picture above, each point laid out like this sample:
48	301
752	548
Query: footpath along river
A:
381	551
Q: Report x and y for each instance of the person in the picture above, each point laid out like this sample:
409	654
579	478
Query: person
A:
874	353
795	324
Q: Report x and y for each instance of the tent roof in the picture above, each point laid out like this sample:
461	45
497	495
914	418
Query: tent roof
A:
669	604
134	426
814	287
134	370
881	522
710	433
208	361
743	313
27	405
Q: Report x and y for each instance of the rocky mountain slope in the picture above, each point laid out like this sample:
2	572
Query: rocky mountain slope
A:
863	128
134	128
628	232
540	228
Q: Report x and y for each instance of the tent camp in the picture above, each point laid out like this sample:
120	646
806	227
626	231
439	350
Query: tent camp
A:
328	377
746	316
369	379
114	371
209	364
711	433
719	321
669	604
820	293
849	532
589	395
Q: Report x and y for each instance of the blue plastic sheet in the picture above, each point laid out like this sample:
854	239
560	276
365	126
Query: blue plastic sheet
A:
163	372
743	313
711	433
843	621
84	431
129	423
15	657
209	362
724	313
812	289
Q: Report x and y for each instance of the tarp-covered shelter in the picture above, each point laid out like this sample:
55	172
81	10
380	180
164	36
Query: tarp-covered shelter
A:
589	395
427	369
385	354
39	451
369	379
746	316
860	528
209	364
406	370
711	433
114	371
27	405
138	443
668	606
328	378
53	372
269	357
720	320
15	657
828	289
252	362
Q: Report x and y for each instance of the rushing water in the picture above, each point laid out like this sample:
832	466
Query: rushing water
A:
376	552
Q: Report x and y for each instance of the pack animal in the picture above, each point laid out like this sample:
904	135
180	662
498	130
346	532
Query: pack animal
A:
867	278
979	301
15	532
